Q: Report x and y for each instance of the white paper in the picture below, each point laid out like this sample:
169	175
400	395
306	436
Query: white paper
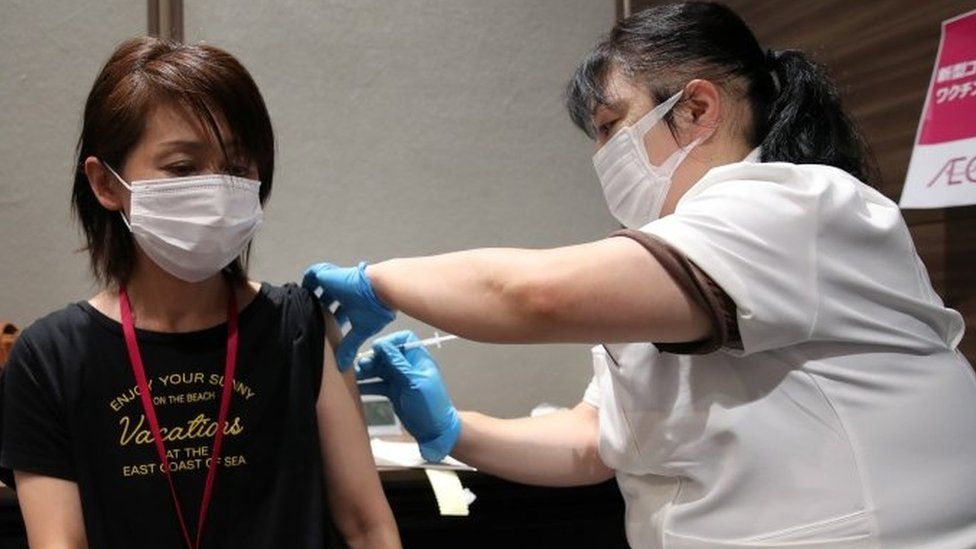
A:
941	175
407	454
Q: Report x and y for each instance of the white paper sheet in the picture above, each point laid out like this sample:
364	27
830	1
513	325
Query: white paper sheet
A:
407	454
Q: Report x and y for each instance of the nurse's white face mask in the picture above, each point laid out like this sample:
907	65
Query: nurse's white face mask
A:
634	188
192	227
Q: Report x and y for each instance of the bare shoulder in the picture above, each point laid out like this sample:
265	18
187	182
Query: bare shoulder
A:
246	292
333	333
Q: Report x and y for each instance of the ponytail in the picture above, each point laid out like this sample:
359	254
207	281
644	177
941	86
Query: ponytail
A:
806	124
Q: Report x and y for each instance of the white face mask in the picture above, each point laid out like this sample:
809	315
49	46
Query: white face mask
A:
192	227
634	188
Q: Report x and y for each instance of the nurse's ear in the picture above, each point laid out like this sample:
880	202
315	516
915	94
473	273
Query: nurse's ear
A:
104	185
700	110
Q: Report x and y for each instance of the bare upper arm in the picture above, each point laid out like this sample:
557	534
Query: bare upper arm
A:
52	511
356	496
333	334
611	290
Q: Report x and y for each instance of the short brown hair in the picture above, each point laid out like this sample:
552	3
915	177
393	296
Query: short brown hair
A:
141	74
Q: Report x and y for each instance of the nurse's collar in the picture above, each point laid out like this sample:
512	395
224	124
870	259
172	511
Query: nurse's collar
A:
755	155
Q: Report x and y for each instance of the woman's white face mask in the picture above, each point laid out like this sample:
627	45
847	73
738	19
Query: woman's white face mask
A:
193	227
634	188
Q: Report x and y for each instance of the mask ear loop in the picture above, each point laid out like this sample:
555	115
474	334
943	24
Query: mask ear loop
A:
679	155
124	184
652	118
655	115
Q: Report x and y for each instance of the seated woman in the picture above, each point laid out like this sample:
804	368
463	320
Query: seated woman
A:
184	404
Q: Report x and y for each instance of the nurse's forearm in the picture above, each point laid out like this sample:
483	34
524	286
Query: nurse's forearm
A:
558	449
612	290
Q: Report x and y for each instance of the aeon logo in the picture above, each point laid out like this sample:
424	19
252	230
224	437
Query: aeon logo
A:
956	171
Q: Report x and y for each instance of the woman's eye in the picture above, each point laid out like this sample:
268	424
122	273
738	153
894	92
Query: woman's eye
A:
239	171
180	170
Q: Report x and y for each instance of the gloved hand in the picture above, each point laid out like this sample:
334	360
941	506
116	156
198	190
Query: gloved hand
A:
413	384
358	305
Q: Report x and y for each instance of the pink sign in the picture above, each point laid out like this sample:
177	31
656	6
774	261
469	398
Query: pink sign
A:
943	166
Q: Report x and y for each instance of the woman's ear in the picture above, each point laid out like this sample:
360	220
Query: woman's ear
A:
104	184
702	106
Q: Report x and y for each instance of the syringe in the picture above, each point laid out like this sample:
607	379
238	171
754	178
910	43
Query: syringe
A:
430	341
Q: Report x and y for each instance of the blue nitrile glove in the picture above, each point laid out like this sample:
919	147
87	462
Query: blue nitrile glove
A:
413	384
358	305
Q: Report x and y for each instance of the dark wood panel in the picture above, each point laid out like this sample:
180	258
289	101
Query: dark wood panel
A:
960	246
880	54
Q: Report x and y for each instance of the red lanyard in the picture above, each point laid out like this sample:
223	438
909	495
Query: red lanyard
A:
129	329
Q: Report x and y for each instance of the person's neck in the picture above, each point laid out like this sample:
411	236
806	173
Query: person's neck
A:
702	159
161	302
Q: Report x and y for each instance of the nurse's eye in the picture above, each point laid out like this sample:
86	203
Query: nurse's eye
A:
605	130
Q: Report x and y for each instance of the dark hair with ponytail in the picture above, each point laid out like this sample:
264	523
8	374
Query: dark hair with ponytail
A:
796	111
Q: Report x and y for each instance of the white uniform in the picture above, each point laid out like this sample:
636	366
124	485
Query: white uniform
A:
847	419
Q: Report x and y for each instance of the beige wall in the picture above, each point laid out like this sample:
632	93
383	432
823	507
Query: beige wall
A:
50	52
406	127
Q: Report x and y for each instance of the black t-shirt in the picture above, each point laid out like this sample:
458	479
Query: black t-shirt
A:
69	408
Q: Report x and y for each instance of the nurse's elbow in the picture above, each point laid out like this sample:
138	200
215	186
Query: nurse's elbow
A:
589	462
591	465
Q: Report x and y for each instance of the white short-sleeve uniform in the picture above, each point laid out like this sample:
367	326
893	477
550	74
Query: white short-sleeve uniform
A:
846	420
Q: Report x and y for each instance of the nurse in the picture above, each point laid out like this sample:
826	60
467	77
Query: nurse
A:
774	367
